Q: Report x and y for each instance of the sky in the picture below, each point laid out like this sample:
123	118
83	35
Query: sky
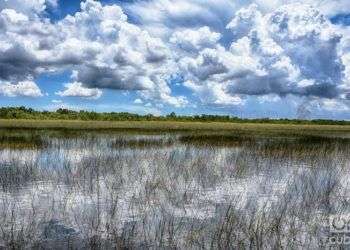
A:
245	58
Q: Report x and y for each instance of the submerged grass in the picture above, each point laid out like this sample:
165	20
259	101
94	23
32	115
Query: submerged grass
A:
14	176
123	142
306	147
227	140
27	141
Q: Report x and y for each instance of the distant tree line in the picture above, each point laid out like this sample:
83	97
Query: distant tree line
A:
66	114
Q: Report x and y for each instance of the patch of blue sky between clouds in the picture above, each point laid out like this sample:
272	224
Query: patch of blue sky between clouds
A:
341	19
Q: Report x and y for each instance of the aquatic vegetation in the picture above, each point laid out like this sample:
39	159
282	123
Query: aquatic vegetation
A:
21	141
108	190
216	139
142	142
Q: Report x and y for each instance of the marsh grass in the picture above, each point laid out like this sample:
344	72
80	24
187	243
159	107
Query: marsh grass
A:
123	142
306	147
171	126
14	177
28	141
171	191
225	140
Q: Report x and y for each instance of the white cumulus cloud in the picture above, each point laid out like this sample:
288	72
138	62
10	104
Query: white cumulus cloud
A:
193	40
293	50
29	7
98	43
23	88
76	89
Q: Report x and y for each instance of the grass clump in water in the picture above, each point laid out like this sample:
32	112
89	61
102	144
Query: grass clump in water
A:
142	142
215	140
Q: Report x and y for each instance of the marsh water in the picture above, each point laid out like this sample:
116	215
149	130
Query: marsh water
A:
186	190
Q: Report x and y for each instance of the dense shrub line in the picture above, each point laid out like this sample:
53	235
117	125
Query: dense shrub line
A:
66	114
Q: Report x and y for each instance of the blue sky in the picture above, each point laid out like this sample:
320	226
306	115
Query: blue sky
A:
243	58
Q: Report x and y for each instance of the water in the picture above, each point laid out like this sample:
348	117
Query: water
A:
171	190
